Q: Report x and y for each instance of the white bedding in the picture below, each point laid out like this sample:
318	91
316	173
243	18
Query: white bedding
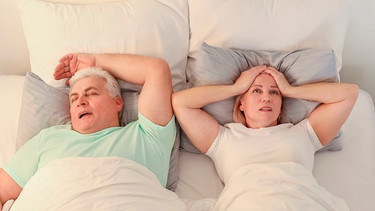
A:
276	186
103	183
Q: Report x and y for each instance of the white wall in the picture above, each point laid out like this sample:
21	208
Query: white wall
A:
14	57
358	55
359	50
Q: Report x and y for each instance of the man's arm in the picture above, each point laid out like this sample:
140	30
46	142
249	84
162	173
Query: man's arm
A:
9	189
153	74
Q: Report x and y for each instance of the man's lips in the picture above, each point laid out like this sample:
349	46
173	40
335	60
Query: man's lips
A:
81	115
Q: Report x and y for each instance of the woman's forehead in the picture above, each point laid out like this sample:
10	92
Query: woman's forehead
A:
264	79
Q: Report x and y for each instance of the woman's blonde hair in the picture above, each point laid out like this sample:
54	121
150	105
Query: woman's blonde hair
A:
238	115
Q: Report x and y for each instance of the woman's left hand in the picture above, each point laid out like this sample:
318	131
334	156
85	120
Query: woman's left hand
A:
280	79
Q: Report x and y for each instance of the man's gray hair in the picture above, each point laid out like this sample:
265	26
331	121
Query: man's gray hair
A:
111	83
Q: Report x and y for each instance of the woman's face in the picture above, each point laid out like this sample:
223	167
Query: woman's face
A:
261	104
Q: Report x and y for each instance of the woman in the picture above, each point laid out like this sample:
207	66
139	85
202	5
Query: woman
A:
256	137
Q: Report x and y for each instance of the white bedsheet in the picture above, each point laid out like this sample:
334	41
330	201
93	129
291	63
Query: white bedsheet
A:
276	186
106	183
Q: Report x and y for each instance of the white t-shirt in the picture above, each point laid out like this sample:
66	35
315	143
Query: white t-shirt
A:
237	146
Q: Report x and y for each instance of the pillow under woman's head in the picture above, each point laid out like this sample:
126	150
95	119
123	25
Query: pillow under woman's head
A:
216	65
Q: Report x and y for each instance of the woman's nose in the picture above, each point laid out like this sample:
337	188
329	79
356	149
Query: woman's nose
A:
266	98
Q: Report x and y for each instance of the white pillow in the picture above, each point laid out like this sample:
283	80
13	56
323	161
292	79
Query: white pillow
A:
10	95
285	25
149	27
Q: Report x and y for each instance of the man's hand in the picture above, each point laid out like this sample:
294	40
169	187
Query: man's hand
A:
71	63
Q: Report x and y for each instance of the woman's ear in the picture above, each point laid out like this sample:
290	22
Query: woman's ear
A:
241	107
238	114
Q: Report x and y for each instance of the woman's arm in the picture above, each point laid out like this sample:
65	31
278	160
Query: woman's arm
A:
153	74
337	102
198	125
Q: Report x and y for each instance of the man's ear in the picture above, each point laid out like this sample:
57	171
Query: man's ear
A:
119	103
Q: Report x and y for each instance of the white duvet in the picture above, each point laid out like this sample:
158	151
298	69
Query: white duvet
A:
273	187
284	186
106	183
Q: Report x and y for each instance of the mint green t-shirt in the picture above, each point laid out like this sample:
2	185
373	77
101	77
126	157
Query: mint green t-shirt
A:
141	141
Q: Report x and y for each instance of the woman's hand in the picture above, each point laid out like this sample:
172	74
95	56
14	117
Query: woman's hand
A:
71	63
280	79
247	77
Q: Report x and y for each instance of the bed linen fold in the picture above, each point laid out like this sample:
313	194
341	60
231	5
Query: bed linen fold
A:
272	186
96	183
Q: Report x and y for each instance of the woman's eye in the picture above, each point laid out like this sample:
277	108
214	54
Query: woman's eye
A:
257	91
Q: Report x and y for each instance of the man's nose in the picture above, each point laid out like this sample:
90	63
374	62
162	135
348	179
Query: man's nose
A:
81	101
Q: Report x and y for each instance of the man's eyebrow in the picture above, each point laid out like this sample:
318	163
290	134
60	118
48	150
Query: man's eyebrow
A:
73	94
86	90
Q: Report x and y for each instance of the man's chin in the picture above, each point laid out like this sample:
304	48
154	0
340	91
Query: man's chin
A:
85	130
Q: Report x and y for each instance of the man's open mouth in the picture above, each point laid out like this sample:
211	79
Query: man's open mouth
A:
83	114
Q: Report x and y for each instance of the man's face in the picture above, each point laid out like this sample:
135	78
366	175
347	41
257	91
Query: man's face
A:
91	107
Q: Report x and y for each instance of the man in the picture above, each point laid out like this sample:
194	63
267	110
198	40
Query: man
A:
95	104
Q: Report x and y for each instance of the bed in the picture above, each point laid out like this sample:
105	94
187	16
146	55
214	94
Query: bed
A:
201	41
